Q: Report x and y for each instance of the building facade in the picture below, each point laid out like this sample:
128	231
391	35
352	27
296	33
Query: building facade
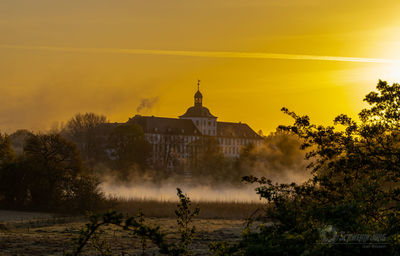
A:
176	140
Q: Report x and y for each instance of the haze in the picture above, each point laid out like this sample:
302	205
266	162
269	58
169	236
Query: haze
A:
54	60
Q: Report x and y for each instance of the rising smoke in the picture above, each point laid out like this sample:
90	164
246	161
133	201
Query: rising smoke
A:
146	104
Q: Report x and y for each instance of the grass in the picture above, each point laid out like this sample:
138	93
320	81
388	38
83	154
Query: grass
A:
29	233
57	238
228	210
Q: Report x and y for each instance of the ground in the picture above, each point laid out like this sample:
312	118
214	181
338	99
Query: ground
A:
23	233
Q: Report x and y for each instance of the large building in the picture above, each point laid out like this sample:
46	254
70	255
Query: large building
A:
178	139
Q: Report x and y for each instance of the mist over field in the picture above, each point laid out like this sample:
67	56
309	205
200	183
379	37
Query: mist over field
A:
278	159
167	192
217	192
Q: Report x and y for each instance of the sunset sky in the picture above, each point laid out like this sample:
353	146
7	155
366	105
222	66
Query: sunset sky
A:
316	57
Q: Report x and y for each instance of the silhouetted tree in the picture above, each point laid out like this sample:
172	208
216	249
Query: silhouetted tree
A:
83	130
6	152
128	149
18	140
354	191
57	176
10	177
208	163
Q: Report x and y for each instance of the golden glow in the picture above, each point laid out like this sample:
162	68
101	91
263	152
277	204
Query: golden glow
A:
315	57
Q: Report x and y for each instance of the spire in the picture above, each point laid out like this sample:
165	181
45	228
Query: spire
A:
198	97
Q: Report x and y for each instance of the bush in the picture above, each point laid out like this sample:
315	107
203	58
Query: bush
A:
351	204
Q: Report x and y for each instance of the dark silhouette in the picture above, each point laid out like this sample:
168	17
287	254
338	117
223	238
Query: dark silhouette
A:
128	149
351	204
49	175
85	131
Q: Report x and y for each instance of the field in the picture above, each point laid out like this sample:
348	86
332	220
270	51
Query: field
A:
24	233
165	209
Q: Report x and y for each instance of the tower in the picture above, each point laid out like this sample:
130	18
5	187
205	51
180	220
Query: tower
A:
201	116
198	97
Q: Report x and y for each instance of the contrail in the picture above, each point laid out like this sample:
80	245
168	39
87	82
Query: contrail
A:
206	54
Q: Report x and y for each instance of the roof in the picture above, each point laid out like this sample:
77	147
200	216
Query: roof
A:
163	125
106	128
198	111
237	130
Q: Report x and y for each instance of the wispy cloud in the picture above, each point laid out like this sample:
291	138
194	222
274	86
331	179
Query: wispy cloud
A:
206	54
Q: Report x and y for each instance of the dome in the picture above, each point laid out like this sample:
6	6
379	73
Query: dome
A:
198	111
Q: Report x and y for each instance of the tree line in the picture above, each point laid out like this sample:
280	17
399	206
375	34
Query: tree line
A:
62	169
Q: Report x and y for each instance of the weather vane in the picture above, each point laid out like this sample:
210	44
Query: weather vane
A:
198	85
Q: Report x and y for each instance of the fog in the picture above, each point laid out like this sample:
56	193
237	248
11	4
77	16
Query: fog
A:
167	192
279	159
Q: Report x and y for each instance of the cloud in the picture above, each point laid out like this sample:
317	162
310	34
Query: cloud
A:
205	54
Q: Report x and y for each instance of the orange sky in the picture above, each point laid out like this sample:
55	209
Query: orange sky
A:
40	83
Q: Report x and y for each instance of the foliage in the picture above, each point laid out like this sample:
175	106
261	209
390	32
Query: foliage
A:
18	140
83	130
105	146
130	224
209	165
354	191
49	176
128	148
208	157
138	228
54	163
185	216
6	152
223	248
9	177
141	233
278	156
84	123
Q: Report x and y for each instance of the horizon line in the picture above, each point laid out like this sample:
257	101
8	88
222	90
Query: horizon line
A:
206	54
